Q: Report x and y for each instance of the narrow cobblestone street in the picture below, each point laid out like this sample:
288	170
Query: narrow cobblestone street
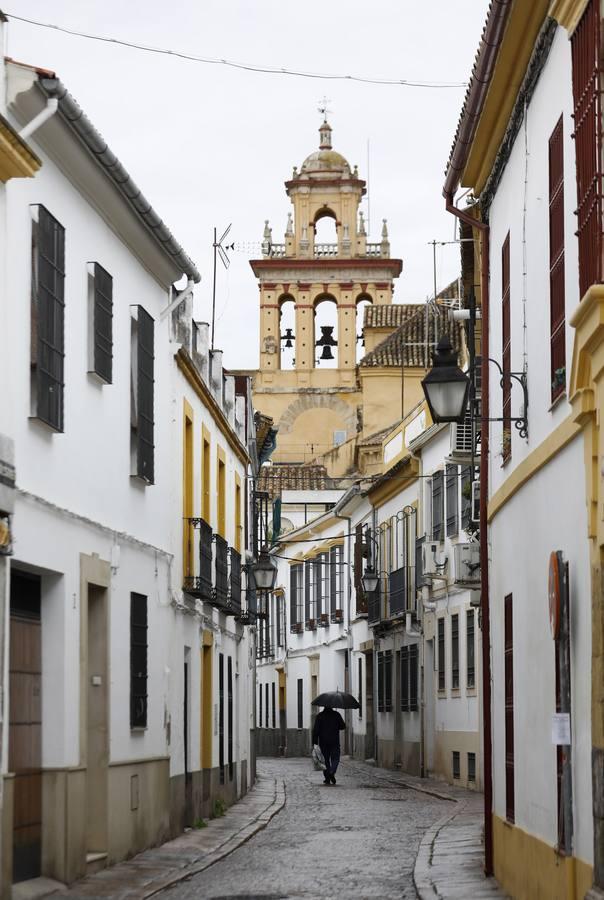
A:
357	839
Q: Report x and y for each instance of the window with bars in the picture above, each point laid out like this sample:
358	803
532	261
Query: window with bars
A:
336	565
142	395
296	596
438	504
471	767
318	585
138	660
310	603
455	652
506	350
48	318
409	678
456	765
585	50
556	262
466	497
509	708
470	649
452	488
384	661
441	654
101	322
359	555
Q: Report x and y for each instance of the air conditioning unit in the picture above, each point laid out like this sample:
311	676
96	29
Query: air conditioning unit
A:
467	563
429	551
462	436
475	509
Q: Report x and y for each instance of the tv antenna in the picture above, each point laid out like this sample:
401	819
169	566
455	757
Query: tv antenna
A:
221	250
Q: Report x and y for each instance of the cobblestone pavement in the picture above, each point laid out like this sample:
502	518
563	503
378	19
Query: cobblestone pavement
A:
358	839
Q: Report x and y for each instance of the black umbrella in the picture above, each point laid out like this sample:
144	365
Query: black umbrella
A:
336	700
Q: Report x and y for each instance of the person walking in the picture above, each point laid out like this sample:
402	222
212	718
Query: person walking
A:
326	733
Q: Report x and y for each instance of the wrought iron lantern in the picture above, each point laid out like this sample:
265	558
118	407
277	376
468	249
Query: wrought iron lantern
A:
264	571
370	579
445	386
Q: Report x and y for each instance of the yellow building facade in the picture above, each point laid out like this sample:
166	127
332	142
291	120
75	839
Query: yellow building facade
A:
315	407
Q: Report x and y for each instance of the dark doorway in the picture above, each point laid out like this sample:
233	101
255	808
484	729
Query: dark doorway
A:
25	723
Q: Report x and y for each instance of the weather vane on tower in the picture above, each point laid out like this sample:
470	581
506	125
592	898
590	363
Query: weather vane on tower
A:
323	108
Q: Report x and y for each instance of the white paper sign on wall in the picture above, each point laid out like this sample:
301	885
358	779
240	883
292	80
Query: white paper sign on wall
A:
561	729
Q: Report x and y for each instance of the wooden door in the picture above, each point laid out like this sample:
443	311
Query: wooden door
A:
25	724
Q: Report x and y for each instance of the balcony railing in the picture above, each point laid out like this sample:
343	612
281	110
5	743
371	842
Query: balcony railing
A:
200	585
325	251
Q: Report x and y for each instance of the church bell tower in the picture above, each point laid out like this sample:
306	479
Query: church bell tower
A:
311	292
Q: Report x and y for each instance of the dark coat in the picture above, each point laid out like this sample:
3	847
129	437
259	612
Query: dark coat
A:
327	728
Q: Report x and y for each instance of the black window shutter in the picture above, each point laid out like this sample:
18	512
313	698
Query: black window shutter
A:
388	680
48	318
380	666
145	391
103	323
413	677
300	701
230	714
405	679
138	661
221	715
437	506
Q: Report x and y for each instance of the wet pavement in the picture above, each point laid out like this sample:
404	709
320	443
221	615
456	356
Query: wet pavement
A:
354	840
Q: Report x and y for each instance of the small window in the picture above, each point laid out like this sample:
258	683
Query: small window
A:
471	767
339	437
101	322
384	659
138	661
142	395
48	318
456	765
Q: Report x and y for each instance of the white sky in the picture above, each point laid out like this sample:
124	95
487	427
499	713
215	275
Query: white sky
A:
209	145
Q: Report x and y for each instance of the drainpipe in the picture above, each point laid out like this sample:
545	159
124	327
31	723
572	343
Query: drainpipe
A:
484	547
52	105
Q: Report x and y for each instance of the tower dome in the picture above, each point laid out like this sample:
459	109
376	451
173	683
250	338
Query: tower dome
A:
325	160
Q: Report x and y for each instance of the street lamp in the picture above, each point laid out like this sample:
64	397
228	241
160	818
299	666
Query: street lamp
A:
446	387
264	571
370	579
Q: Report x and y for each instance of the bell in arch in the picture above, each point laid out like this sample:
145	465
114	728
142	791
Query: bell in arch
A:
326	342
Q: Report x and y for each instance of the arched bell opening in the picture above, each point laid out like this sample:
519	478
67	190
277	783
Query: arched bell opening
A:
326	332
287	332
362	302
325	231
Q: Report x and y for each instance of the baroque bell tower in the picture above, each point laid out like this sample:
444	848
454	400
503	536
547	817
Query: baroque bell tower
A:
315	402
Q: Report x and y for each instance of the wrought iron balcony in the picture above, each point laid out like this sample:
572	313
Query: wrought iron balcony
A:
200	585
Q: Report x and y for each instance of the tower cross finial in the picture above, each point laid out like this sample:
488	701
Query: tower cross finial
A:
323	108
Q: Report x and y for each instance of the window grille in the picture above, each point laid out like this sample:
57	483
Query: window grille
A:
102	323
556	263
470	649
48	318
585	49
466	497
336	564
384	661
235	581
138	661
441	654
221	569
471	767
455	652
142	422
397	587
456	764
437	506
359	550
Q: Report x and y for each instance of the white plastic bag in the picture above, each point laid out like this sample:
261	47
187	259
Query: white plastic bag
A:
317	758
